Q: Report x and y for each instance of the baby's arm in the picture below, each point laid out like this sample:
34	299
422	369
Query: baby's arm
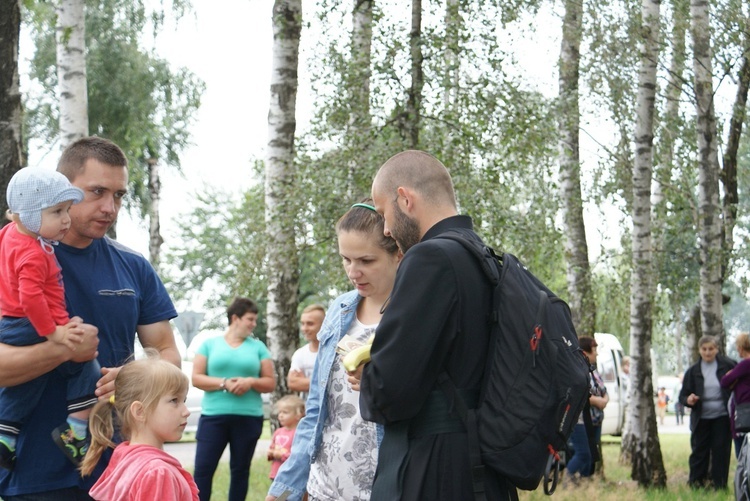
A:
271	454
70	335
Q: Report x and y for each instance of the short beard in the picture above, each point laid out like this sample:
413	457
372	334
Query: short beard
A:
405	231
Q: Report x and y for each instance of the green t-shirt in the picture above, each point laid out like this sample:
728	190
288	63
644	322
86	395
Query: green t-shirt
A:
224	361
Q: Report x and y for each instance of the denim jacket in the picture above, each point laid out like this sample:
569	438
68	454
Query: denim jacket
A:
294	472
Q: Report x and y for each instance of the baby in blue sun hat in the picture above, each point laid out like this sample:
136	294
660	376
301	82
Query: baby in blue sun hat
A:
32	302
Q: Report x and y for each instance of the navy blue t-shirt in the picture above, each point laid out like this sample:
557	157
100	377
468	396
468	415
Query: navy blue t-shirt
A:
115	289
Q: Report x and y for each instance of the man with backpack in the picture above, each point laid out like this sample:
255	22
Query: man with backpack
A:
434	328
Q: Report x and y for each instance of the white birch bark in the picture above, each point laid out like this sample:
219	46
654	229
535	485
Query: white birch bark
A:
709	218
362	59
359	89
155	239
282	263
641	436
71	70
580	297
453	27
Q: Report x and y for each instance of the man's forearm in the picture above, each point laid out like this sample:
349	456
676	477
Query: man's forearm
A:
24	363
172	355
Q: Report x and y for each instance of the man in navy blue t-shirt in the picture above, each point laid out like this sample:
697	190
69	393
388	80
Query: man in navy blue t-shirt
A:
116	292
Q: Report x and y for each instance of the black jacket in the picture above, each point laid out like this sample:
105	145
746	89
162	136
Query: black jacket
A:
692	382
435	322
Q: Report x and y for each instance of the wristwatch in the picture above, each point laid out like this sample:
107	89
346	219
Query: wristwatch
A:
223	385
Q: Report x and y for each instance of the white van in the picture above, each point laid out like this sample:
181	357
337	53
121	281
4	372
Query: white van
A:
609	365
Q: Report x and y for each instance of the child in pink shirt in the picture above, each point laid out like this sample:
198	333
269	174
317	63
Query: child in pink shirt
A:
290	410
149	401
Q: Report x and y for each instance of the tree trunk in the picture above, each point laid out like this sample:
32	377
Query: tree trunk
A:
71	71
580	294
359	89
709	214
361	59
641	439
414	101
453	27
155	239
729	167
282	266
11	157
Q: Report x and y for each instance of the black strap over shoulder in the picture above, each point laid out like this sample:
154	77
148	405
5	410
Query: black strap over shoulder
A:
485	255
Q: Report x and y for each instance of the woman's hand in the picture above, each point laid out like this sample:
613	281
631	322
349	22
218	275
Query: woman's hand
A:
239	385
692	399
355	377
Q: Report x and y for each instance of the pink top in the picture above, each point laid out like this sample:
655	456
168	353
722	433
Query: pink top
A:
31	284
144	473
282	439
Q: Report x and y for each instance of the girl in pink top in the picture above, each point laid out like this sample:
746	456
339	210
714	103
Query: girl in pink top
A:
150	404
289	409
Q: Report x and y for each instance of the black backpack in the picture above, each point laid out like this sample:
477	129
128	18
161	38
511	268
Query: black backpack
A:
536	380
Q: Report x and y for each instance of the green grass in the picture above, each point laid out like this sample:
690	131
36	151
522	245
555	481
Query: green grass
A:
616	485
259	481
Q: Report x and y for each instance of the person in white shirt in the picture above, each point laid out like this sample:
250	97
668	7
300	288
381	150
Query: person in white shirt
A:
303	360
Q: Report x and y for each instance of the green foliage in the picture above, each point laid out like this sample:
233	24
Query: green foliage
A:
134	97
497	135
489	134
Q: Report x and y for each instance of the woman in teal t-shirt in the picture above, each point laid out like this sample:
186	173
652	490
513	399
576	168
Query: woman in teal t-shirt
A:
233	370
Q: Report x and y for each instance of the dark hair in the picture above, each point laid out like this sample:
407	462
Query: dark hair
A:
78	152
587	344
240	307
366	220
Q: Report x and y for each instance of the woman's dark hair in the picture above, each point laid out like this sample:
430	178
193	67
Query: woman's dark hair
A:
587	344
240	307
366	220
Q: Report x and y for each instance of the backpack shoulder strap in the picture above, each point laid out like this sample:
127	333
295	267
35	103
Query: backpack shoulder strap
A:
488	260
490	265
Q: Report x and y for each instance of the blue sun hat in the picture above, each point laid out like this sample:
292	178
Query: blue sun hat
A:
33	189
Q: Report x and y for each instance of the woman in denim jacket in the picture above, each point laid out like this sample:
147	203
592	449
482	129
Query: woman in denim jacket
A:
334	453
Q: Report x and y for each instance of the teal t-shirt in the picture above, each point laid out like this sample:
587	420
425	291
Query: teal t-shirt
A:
224	361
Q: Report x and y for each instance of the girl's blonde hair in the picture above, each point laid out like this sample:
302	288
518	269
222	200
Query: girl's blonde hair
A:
743	341
145	381
291	402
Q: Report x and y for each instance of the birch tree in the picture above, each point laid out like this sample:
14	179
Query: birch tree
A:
129	96
359	89
414	100
155	239
70	35
641	439
729	164
10	97
709	213
282	264
580	293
